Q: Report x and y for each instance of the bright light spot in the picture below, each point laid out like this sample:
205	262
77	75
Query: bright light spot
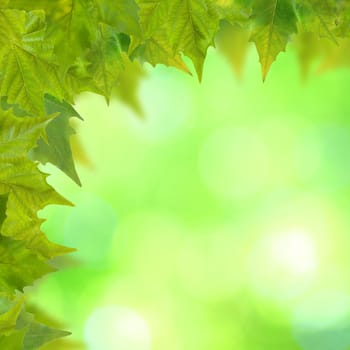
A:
296	251
283	266
115	327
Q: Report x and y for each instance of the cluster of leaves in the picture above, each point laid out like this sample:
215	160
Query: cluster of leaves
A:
52	50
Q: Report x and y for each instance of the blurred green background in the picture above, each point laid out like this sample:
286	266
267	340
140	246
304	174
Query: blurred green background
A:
220	221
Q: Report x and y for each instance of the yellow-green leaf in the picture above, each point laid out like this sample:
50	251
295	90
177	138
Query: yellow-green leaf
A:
27	189
27	70
274	22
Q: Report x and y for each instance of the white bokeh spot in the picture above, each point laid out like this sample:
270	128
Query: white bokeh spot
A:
116	327
295	251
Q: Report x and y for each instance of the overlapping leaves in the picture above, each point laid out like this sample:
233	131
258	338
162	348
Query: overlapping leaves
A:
19	330
80	42
50	51
24	249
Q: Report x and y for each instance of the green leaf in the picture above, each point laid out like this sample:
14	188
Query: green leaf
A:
274	22
9	313
319	17
19	266
17	110
109	63
171	27
27	69
73	30
152	16
157	50
39	334
123	15
28	191
154	46
192	27
26	333
55	147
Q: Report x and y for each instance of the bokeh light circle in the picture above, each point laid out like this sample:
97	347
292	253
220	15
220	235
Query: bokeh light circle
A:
283	265
117	328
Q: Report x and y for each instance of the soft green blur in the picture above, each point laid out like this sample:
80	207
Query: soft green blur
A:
220	221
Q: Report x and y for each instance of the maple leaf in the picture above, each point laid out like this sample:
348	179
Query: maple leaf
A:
19	266
23	331
37	334
106	69
122	15
55	147
178	26
318	17
74	30
10	310
192	26
274	22
28	191
153	45
157	50
27	71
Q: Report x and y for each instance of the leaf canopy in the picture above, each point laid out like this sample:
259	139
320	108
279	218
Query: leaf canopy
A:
51	51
